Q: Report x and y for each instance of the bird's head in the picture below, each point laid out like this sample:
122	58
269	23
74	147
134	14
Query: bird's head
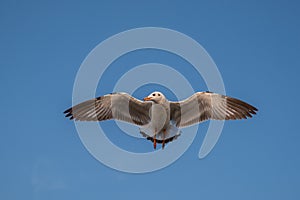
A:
156	97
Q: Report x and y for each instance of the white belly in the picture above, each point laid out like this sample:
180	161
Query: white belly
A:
159	126
159	117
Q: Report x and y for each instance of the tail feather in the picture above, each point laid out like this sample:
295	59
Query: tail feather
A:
171	133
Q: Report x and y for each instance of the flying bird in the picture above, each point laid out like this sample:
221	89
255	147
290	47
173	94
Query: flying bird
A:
158	118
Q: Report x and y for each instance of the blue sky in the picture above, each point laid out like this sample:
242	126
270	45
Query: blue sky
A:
255	45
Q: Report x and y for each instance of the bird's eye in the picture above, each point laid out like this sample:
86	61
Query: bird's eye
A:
158	94
153	94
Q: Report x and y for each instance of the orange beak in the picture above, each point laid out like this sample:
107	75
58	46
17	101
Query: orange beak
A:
147	98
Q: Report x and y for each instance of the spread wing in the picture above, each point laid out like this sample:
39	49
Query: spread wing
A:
119	106
206	105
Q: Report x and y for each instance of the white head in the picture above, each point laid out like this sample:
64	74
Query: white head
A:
156	97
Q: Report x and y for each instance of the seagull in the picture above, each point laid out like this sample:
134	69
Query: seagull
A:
158	118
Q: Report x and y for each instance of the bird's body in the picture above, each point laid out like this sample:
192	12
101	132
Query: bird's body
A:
159	128
159	119
160	116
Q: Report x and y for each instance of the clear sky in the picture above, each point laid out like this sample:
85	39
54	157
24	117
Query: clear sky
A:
255	45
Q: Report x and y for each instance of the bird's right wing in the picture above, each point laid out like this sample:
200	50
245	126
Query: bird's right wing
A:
119	106
207	105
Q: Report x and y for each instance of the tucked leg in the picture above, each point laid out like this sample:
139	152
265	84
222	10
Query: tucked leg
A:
163	142
154	142
154	139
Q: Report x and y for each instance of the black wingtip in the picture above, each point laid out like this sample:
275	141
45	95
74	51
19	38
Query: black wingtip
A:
68	110
68	113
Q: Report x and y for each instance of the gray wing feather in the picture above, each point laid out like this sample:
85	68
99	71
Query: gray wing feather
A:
206	105
119	106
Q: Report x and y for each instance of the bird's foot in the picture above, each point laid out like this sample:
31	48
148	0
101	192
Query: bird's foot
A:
154	143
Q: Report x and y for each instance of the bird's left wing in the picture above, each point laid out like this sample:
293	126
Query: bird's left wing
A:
207	105
119	106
